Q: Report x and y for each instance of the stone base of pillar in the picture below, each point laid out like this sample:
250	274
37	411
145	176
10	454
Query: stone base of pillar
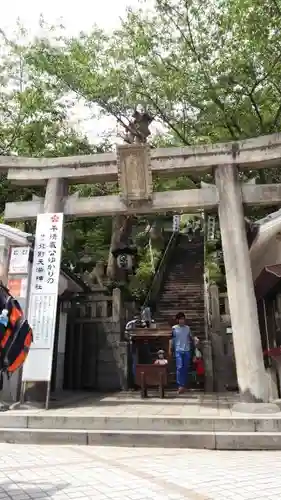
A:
272	383
27	406
256	408
208	361
36	394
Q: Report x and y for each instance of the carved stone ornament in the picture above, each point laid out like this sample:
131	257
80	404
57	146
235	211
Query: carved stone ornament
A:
134	173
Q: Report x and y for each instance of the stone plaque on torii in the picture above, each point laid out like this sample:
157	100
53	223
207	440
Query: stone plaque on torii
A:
228	195
133	162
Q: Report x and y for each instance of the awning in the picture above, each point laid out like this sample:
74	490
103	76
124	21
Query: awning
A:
269	277
15	235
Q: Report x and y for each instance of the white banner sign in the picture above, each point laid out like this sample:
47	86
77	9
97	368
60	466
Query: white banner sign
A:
19	260
176	223
43	296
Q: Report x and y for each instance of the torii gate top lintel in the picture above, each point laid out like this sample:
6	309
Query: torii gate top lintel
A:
260	152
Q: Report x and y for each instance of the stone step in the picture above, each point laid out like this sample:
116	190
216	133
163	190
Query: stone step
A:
165	423
192	307
186	282
188	307
175	294
174	300
185	277
195	317
181	293
210	440
180	286
183	290
189	310
164	303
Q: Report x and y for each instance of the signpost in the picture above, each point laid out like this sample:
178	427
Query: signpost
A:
43	298
176	223
19	260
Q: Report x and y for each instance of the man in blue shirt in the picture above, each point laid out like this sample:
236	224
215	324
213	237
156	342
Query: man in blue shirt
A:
182	345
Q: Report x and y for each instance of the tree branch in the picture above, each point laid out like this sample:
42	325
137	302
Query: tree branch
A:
191	44
277	7
161	112
276	119
256	108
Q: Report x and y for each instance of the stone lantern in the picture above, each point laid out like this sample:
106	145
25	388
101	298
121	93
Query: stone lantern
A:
126	259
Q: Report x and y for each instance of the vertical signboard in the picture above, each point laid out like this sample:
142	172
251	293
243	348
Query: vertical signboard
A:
18	273
176	223
19	260
43	296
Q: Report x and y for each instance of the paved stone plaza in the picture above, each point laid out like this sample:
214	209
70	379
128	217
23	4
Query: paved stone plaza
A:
70	473
124	404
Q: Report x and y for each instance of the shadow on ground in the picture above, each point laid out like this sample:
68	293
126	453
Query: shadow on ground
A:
25	489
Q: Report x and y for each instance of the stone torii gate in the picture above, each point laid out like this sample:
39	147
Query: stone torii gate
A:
134	167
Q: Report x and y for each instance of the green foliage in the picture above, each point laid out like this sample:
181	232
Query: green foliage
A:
213	264
140	283
34	122
208	72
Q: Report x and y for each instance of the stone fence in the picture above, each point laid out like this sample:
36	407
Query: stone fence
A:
224	370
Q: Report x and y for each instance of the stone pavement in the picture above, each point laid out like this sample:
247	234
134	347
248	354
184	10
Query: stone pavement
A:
82	473
191	404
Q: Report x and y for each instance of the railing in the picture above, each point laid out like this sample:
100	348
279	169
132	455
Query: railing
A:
224	304
159	275
96	307
219	308
224	307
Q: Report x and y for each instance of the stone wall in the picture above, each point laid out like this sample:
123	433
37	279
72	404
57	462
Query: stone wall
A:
208	361
113	358
223	361
224	368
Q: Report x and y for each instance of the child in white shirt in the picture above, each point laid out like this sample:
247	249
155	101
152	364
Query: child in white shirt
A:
161	358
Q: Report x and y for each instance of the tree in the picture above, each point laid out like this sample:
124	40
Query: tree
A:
34	122
207	72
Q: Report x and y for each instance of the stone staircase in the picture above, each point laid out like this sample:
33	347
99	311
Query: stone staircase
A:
183	286
190	421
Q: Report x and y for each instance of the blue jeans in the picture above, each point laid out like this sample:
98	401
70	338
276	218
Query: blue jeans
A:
182	365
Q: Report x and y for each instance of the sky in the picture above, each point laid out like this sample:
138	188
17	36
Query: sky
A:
75	17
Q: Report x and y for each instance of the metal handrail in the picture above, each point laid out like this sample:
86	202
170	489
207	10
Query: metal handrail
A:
160	268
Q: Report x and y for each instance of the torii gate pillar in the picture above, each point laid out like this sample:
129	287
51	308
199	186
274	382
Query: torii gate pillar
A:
56	190
251	374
